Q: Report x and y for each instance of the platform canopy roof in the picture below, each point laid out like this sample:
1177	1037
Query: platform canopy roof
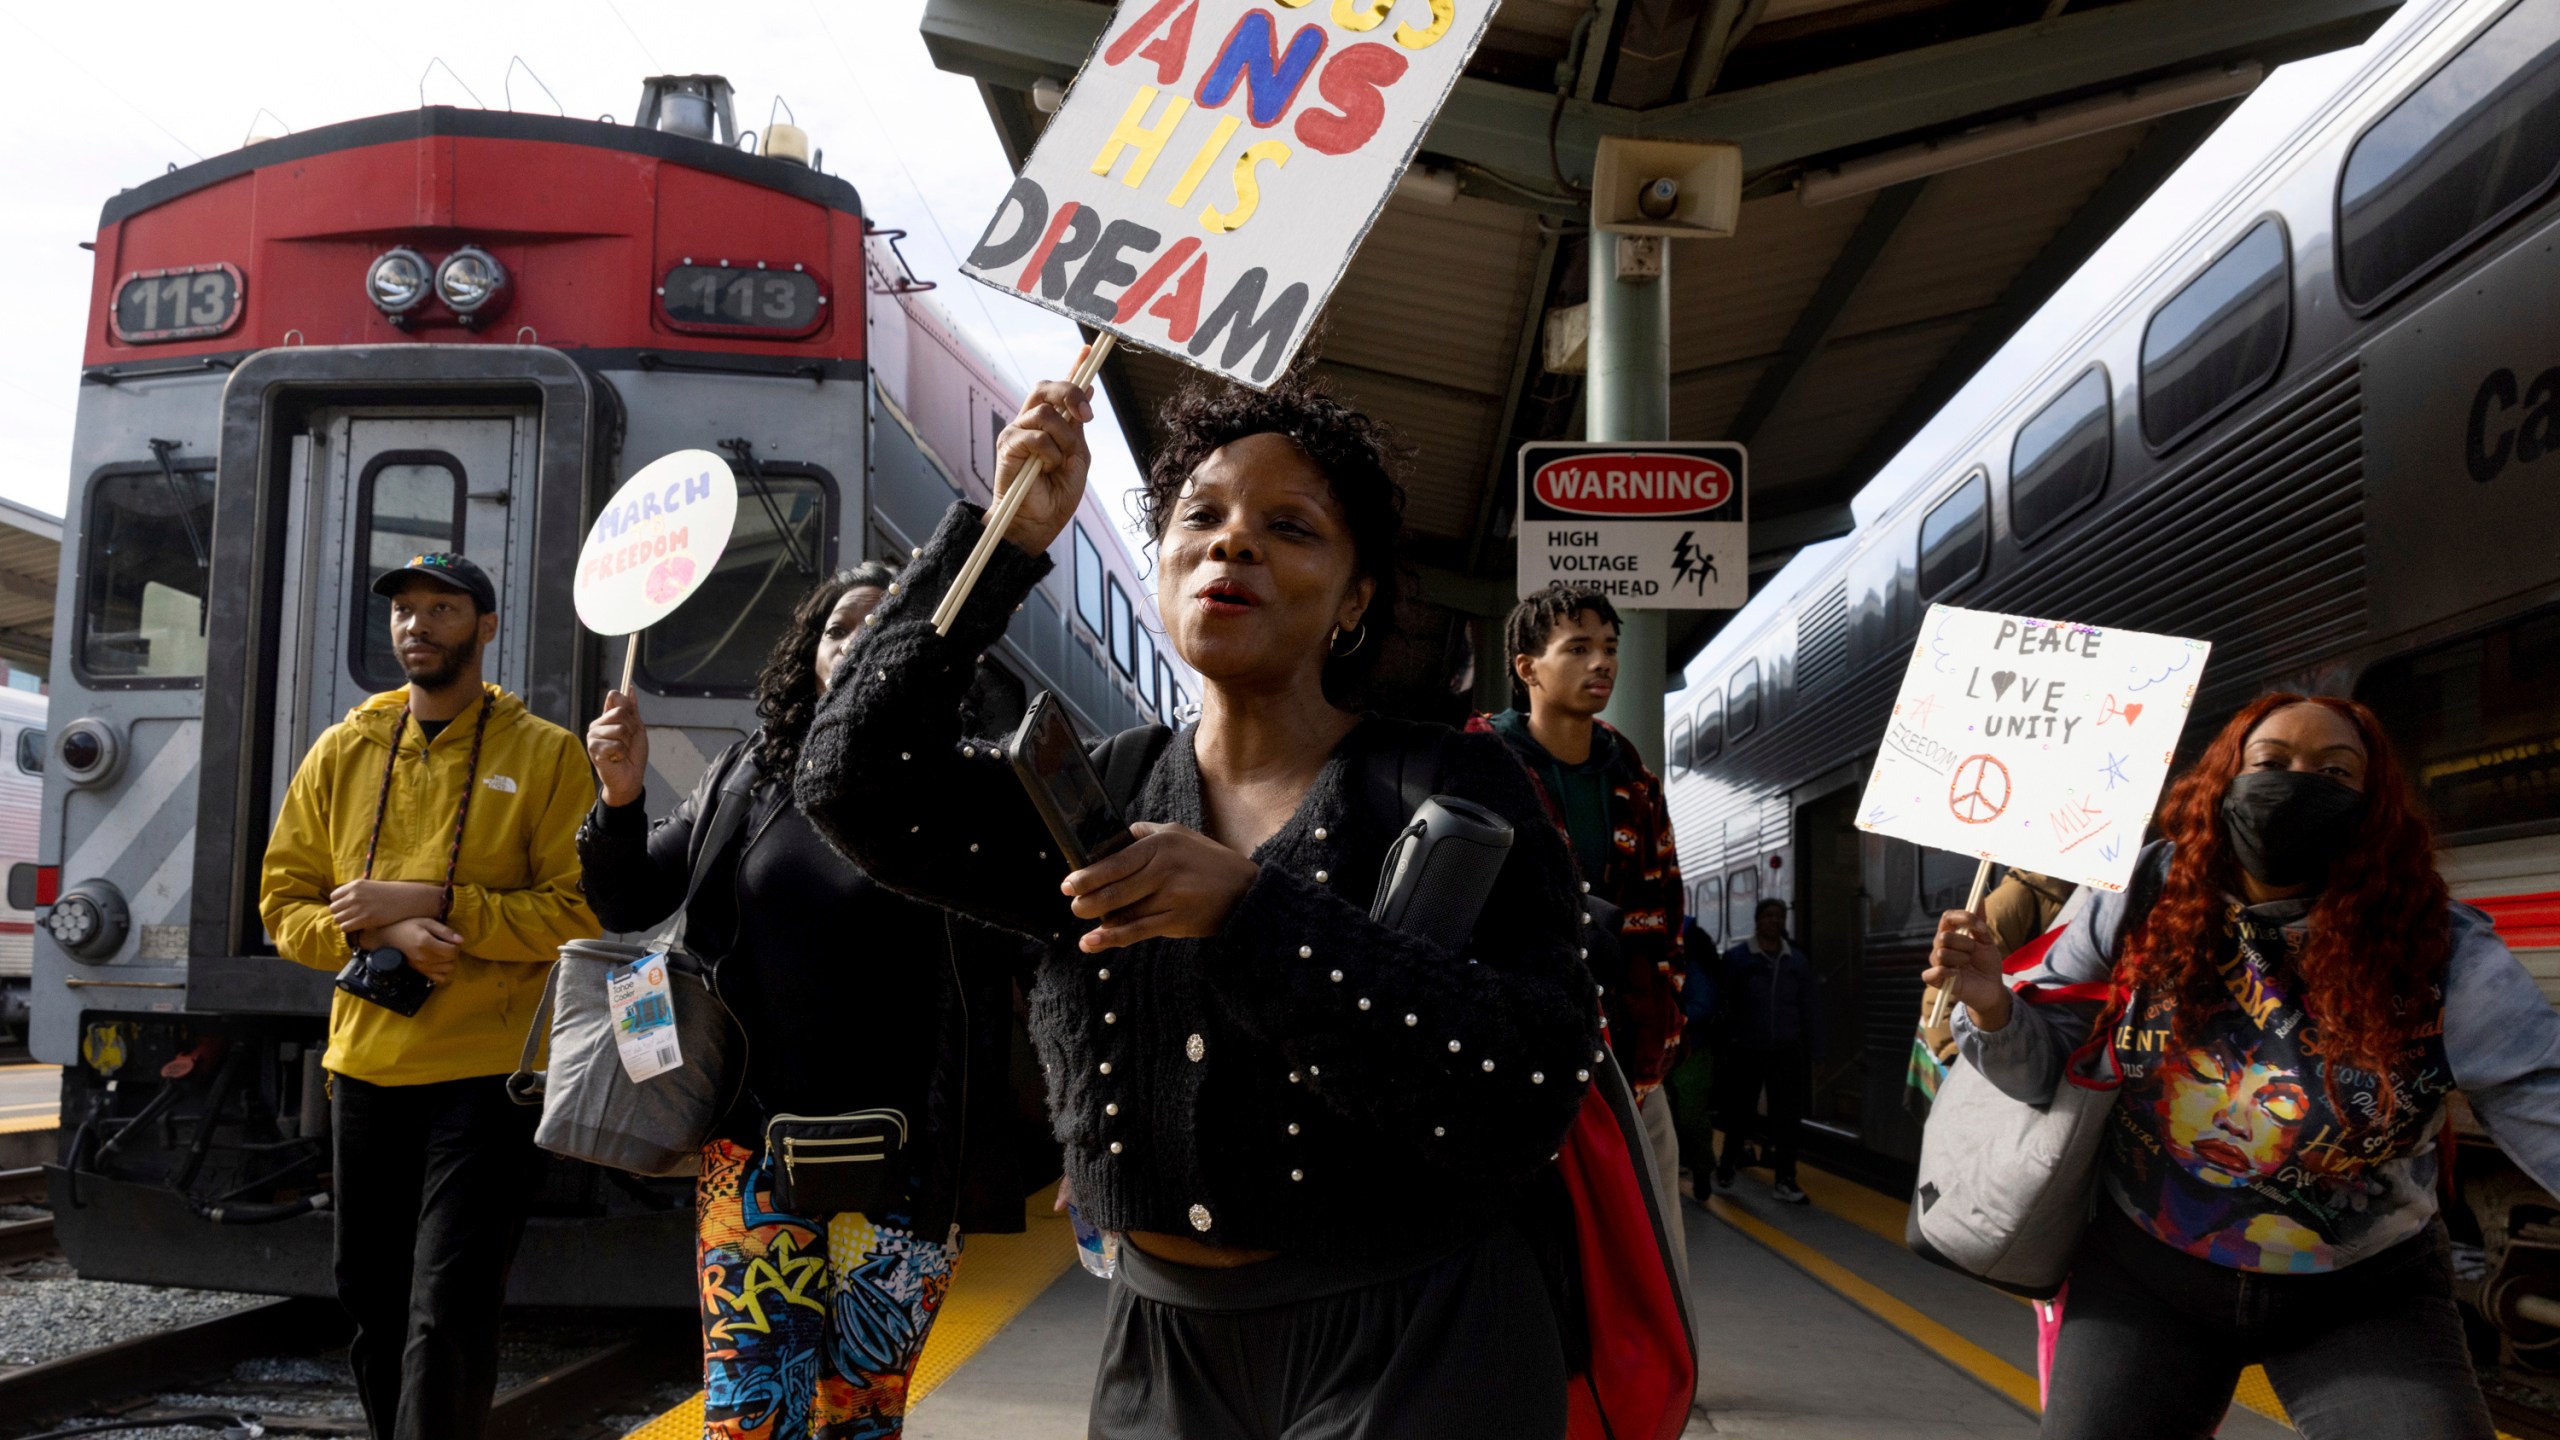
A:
30	567
1823	335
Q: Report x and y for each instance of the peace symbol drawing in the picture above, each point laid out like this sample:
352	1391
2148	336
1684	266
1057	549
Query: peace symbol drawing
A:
1979	790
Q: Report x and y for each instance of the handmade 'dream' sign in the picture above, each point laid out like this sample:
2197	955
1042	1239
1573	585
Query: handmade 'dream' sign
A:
653	544
1217	162
2038	744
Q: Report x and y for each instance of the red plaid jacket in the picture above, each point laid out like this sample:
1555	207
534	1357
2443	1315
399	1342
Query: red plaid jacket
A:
1642	878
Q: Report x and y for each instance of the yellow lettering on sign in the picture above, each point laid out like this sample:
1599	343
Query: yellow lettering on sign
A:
1248	189
1133	133
1442	12
1361	15
1198	169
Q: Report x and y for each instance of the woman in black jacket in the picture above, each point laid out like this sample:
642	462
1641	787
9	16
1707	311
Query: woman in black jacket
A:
1311	1130
850	997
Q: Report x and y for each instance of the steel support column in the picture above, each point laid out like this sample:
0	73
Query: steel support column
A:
1630	399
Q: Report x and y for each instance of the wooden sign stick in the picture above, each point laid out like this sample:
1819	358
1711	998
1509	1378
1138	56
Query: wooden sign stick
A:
1010	503
1972	903
630	658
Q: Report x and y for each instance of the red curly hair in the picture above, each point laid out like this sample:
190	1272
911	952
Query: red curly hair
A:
2379	932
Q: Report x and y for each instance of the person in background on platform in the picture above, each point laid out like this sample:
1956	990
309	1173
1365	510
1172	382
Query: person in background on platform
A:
439	820
850	997
1768	1035
1310	1129
1564	665
1692	1083
2021	907
2294	996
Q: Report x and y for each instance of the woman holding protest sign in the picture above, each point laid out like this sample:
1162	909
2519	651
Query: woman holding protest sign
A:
1308	1127
2289	996
852	1000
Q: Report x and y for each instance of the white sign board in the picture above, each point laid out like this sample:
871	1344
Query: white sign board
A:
2036	743
655	541
1652	526
1215	164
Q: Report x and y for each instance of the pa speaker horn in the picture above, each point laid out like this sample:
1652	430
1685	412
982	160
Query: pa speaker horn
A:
1684	189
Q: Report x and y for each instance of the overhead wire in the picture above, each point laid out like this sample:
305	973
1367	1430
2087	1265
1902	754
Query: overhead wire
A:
880	127
627	29
119	95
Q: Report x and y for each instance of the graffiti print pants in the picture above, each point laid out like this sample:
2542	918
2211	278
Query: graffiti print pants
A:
810	1324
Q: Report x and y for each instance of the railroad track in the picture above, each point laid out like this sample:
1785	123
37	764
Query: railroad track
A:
24	1239
128	1379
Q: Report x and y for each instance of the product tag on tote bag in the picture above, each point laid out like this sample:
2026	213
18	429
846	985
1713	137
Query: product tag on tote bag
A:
644	1017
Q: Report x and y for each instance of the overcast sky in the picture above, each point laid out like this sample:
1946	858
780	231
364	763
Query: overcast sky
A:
110	96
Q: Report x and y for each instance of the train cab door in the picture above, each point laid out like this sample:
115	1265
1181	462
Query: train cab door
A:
1828	922
373	488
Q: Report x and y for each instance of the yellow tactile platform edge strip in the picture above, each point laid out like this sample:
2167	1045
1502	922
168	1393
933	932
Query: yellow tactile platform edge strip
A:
999	1275
1883	1215
13	1125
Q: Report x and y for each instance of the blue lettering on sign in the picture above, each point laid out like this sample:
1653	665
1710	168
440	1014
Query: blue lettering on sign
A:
698	488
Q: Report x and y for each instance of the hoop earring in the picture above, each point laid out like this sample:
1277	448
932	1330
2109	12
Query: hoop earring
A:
1359	637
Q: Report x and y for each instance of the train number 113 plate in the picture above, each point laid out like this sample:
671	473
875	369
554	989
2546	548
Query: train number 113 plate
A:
187	302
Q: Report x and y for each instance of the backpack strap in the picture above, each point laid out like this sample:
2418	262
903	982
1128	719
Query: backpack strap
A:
1127	759
1396	780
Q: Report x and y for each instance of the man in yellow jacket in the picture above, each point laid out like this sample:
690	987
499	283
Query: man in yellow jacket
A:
439	820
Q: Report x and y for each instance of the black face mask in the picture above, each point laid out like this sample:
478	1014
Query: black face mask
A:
2286	826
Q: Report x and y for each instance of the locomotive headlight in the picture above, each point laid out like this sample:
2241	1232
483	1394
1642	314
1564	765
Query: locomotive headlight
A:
470	280
398	282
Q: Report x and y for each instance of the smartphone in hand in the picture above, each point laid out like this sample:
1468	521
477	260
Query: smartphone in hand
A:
1050	758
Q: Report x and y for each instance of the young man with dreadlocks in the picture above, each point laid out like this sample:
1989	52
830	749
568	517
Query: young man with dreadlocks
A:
1563	646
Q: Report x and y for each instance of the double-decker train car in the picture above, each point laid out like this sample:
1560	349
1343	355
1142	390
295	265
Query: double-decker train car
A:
2322	431
447	330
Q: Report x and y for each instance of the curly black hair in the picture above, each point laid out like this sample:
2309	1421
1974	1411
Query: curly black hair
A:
1533	622
1356	454
787	687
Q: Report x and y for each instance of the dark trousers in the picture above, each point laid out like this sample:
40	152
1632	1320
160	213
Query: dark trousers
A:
432	1185
1463	1347
1786	1073
2153	1340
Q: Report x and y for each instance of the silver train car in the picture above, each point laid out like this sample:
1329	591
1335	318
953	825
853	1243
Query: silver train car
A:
2323	431
279	402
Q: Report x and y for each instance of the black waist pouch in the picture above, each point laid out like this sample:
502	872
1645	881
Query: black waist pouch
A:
829	1164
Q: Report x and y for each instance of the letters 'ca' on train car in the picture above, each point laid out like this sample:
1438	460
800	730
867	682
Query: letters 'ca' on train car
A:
445	329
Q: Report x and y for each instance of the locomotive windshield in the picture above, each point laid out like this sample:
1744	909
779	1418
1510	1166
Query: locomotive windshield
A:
143	569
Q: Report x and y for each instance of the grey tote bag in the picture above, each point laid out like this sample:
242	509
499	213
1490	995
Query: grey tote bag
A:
591	1108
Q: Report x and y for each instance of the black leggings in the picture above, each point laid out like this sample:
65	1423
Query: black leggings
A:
1461	1346
2153	1340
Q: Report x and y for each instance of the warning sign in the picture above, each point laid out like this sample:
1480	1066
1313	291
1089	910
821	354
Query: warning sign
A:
1655	527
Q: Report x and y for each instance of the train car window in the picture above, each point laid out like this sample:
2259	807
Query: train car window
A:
1166	689
1955	537
2477	723
1741	897
1145	674
1742	701
1679	746
1124	653
1710	908
782	542
407	502
2059	461
1945	879
143	562
1706	741
2219	340
1888	874
2475	143
31	754
1089	582
1182	703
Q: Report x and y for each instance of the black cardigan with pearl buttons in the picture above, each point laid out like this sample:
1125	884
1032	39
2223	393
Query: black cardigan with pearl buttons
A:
1306	1080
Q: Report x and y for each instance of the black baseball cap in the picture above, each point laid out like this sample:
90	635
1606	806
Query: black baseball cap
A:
445	568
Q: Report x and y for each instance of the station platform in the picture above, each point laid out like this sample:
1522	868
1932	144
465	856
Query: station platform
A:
1814	1323
30	1110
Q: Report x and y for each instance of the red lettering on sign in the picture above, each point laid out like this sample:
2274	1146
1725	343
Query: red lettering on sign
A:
1632	485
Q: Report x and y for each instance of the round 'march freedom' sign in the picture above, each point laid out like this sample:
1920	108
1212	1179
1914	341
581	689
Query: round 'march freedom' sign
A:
655	541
